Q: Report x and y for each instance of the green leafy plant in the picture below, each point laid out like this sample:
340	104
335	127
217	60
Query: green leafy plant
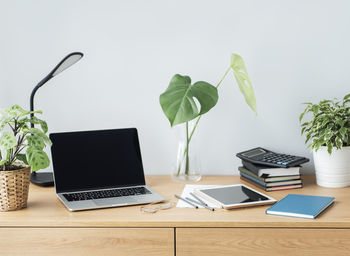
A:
330	125
179	100
20	136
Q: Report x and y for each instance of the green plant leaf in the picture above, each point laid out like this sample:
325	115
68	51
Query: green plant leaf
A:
317	145
35	142
38	133
4	122
4	155
34	120
324	122
330	147
338	142
178	102
308	137
37	159
315	109
305	124
328	135
243	81
16	111
346	99
8	115
304	112
7	140
22	157
343	131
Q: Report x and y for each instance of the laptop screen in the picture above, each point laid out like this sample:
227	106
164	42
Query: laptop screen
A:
96	159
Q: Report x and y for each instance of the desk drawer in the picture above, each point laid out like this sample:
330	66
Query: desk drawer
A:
86	241
262	241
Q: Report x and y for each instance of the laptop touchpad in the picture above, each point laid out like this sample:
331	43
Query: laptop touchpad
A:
114	201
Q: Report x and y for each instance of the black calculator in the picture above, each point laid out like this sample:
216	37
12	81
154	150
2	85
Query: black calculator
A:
265	157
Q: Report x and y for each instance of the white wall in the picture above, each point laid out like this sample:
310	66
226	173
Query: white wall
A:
295	51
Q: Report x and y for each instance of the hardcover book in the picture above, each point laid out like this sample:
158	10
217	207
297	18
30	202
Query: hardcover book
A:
276	188
271	184
267	171
268	179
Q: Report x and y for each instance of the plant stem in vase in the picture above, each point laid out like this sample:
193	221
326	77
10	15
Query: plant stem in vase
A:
186	151
187	166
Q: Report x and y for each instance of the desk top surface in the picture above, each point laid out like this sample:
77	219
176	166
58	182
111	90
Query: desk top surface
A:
45	210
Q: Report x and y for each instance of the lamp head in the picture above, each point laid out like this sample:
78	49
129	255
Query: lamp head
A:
67	61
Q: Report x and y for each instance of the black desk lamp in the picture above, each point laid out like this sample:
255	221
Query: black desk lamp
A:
45	179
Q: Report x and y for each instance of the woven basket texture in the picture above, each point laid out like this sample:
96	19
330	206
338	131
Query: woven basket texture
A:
14	187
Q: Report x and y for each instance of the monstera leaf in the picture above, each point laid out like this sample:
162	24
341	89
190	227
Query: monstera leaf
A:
37	159
243	81
178	101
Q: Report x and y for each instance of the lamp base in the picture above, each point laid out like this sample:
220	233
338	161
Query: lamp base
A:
42	179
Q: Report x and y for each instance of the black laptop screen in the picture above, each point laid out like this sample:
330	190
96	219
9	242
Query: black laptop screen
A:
96	159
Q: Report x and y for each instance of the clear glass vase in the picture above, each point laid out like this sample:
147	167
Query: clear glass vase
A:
187	166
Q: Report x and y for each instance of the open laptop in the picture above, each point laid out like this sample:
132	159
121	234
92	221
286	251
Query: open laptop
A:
99	169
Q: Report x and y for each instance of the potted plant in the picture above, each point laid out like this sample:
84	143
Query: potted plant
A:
329	134
21	150
185	103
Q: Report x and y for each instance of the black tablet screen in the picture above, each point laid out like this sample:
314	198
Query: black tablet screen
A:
234	195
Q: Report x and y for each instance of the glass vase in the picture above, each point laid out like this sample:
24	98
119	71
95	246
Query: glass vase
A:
187	166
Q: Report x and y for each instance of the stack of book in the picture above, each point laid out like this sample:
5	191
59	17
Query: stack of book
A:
271	178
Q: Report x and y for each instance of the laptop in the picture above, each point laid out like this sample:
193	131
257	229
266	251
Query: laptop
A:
99	169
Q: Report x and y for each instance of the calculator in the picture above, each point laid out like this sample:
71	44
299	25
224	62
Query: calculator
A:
266	157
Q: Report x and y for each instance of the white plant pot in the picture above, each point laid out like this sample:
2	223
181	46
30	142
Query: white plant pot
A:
332	171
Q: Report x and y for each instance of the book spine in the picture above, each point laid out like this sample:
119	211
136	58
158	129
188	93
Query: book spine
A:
251	174
269	180
283	183
278	188
255	182
251	167
283	178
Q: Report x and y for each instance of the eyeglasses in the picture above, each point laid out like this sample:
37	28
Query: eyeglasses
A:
153	208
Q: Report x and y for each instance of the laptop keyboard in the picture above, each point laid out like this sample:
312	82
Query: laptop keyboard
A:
106	193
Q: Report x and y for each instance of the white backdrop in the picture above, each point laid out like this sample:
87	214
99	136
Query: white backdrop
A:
295	51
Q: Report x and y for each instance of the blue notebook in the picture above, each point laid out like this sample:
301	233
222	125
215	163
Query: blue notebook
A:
301	206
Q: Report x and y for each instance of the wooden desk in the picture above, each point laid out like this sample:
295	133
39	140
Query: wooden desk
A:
47	228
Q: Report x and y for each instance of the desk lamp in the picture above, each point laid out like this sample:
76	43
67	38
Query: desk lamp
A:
45	179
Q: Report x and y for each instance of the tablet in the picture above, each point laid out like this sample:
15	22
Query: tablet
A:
234	196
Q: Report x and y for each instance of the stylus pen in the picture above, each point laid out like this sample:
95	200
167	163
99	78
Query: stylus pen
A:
199	200
200	203
183	199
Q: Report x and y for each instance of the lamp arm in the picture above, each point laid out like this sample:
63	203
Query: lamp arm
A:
41	83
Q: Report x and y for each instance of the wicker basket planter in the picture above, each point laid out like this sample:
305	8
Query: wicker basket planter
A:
14	187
